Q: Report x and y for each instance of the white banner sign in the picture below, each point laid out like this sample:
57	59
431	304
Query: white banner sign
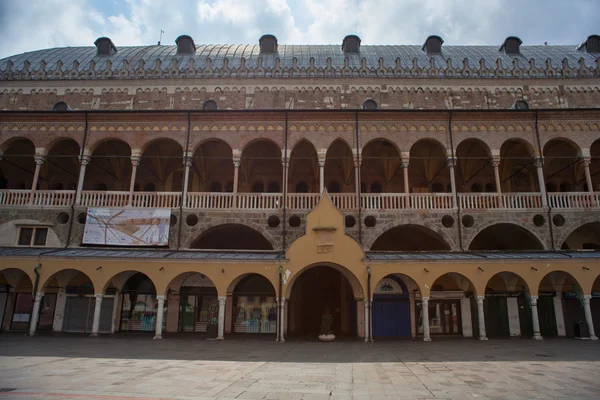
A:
127	227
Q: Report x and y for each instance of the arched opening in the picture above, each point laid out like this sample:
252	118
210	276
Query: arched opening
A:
392	316
304	168
505	237
231	237
339	167
319	290
370	105
595	304
61	169
261	160
73	293
559	304
427	170
139	305
161	166
586	237
109	167
254	305
16	300
562	166
193	304
410	238
18	165
210	105
212	163
381	165
506	306
517	167
451	304
474	167
273	187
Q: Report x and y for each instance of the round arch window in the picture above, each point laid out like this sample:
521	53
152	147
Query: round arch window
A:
370	105
210	105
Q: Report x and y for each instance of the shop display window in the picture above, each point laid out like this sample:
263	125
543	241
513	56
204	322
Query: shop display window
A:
444	317
22	312
255	314
139	312
197	312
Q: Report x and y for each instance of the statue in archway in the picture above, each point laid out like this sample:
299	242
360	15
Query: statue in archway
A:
326	332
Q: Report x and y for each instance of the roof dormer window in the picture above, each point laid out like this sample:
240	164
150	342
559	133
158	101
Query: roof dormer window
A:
61	106
351	44
105	47
591	44
512	46
433	45
185	45
268	44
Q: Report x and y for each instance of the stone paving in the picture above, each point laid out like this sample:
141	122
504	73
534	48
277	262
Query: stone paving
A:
129	367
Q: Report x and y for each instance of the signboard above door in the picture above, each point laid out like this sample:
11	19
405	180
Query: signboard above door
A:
133	227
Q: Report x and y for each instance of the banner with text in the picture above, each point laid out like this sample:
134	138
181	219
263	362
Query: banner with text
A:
127	227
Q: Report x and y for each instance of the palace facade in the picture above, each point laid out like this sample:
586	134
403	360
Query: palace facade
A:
409	191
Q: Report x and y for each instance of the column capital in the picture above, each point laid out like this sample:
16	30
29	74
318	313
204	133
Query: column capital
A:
480	298
587	298
38	296
236	162
495	163
187	161
322	162
405	164
85	159
425	299
135	160
222	298
538	162
39	159
99	296
160	298
357	161
586	161
451	162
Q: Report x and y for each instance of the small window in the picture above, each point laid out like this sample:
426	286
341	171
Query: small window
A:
210	105
32	236
301	187
333	187
370	105
273	187
258	187
61	106
215	187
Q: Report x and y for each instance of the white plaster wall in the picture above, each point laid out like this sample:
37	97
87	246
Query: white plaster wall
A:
59	310
9	232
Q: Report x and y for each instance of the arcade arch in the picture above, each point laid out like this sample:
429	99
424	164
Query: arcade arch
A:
16	299
410	238
506	306
261	163
428	171
109	167
304	169
563	171
231	237
517	167
474	169
505	236
61	168
380	168
559	304
193	304
17	165
139	304
393	306
160	167
212	167
339	168
254	307
585	237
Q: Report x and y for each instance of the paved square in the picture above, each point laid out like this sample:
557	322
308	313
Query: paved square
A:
188	367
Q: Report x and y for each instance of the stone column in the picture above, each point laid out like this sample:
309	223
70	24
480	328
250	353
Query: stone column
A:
285	163
425	316
96	320
159	316
496	165
35	313
59	310
39	161
588	176
236	173
221	330
187	162
588	316
451	162
357	182
115	311
481	318
535	318
406	184
367	336
282	320
540	173
321	175
135	161
85	160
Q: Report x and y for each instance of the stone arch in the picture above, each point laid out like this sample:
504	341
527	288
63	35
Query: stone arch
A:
474	165
8	142
258	140
18	164
63	277
96	141
339	167
584	237
225	234
517	170
381	162
260	160
431	229
508	280
562	166
148	144
493	237
304	167
160	165
235	281
427	169
61	169
110	165
455	281
357	289
560	280
212	161
411	283
410	237
119	280
18	278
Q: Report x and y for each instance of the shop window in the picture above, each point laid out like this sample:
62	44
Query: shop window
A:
139	312
258	187
255	314
216	187
32	236
301	187
22	312
273	187
333	187
198	311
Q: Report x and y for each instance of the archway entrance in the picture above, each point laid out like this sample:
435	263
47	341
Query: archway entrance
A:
320	289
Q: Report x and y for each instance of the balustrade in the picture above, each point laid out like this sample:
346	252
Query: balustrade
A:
53	198
302	201
574	200
478	201
384	201
431	201
94	198
259	201
344	201
520	201
214	201
14	197
156	199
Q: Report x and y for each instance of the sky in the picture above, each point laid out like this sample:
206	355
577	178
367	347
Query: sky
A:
27	25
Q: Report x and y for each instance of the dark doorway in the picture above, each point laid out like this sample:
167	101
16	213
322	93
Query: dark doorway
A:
547	316
315	291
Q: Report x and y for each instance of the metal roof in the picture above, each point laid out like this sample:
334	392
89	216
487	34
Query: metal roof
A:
407	56
274	255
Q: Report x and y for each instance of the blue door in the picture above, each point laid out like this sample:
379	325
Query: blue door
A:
391	318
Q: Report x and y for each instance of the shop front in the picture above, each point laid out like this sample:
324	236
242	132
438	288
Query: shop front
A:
255	306
3	303
198	305
391	309
21	312
79	313
445	315
547	314
573	311
139	305
507	314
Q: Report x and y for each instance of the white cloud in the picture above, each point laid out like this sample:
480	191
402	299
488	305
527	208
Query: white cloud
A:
40	24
